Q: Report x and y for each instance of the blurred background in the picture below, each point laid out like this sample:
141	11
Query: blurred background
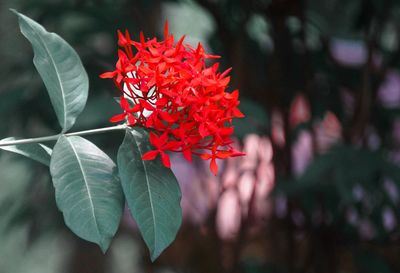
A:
319	188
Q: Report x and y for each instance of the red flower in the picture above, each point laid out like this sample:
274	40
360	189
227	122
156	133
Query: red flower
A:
162	144
168	88
127	112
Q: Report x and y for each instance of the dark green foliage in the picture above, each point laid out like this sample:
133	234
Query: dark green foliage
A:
151	191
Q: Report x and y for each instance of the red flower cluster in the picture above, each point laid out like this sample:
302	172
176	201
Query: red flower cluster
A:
169	88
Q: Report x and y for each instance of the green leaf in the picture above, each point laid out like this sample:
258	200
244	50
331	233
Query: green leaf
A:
88	191
152	192
61	70
35	151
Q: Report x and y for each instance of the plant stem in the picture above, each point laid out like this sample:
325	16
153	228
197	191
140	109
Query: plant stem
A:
55	137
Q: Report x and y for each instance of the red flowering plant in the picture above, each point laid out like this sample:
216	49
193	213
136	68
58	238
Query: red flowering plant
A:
169	88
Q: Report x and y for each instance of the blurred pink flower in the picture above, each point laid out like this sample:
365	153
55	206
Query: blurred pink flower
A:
302	152
389	219
327	132
198	195
299	111
391	190
228	215
251	147
265	151
348	52
266	178
239	191
352	53
373	139
252	179
389	91
246	188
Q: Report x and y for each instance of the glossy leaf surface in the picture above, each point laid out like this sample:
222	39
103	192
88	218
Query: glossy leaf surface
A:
152	192
60	69
88	191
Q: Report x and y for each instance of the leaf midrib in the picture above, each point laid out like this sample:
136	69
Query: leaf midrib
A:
86	184
149	192
57	72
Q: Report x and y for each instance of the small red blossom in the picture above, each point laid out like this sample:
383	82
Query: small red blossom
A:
161	144
169	89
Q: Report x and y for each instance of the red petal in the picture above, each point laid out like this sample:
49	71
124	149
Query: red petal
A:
161	102
226	131
236	113
154	140
232	96
205	156
165	160
167	117
224	82
163	138
142	39
150	155
131	119
202	130
166	29
118	118
172	145
124	103
134	109
131	80
154	52
214	167
226	72
187	154
169	52
128	37
121	39
122	56
108	75
223	154
146	105
235	153
179	44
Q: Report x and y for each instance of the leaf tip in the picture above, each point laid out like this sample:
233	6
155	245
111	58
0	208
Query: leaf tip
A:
155	254
19	15
14	11
104	247
104	244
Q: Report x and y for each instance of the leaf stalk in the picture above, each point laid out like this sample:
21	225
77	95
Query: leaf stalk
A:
55	137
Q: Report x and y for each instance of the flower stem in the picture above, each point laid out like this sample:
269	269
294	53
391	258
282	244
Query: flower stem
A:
55	137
